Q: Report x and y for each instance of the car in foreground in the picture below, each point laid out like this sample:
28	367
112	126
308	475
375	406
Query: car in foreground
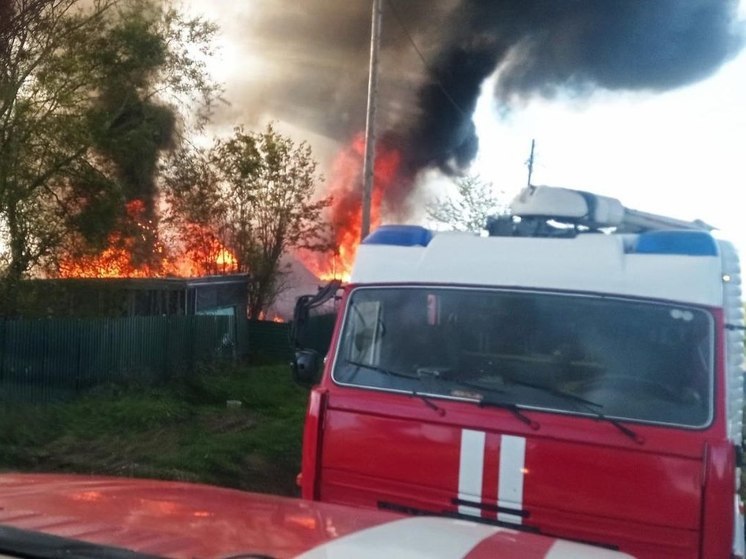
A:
51	515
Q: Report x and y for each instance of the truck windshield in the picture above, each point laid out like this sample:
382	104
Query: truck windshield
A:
638	361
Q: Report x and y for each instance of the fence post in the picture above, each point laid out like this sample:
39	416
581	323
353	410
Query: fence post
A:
167	334
79	335
3	336
189	318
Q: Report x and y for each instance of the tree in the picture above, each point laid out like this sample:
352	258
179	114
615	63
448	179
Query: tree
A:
469	208
89	94
197	208
254	191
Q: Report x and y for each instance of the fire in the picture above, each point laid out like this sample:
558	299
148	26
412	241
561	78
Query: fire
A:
201	253
113	262
196	251
225	258
276	318
345	188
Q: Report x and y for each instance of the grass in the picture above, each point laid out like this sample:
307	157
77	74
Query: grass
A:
184	430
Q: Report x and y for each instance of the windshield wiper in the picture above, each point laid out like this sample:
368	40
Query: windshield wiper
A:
639	439
377	369
556	392
478	386
428	402
481	399
589	406
512	408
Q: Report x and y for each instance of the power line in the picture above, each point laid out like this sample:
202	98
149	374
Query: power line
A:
424	62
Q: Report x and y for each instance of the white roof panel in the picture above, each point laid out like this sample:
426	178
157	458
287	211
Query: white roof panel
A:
595	263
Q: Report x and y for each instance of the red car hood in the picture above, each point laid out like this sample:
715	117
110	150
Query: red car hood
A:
187	520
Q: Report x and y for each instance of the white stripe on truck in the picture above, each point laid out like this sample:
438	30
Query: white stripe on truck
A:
570	550
510	477
424	537
410	538
511	473
471	470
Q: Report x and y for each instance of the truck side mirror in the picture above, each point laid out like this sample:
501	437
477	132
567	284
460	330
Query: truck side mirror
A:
306	367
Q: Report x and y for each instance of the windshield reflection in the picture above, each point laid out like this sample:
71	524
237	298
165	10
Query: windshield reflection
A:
629	359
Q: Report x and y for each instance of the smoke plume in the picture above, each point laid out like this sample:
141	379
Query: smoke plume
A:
315	62
544	47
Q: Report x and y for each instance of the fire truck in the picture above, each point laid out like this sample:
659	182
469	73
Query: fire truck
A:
577	372
74	516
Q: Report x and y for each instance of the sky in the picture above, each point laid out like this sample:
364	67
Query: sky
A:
677	152
681	153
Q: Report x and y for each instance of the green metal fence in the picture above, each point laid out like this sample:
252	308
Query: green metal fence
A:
47	359
269	340
272	339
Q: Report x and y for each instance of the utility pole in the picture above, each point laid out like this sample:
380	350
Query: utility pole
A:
370	121
530	164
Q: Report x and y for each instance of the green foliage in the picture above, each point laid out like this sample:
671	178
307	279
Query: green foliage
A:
182	431
254	192
89	97
467	210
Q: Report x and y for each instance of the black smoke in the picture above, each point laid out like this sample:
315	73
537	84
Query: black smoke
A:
317	61
542	48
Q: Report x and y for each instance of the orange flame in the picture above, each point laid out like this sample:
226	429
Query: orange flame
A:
345	188
203	254
276	318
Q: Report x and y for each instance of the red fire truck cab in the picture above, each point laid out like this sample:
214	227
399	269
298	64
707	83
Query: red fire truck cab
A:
576	373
